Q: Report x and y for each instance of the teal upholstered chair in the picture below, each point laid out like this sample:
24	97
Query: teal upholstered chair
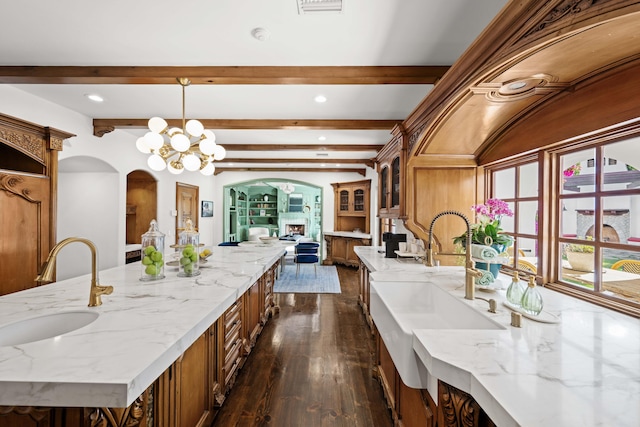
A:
306	253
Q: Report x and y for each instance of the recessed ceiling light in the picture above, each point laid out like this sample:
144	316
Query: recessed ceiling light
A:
260	34
338	165
94	97
322	165
320	98
322	138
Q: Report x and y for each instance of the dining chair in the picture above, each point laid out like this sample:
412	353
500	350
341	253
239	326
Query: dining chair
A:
628	265
306	253
527	266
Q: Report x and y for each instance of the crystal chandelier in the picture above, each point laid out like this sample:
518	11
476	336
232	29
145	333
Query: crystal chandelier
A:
192	148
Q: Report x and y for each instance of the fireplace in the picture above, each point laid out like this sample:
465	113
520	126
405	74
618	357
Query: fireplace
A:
294	229
293	225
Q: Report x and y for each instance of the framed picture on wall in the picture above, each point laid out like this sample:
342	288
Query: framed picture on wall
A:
207	208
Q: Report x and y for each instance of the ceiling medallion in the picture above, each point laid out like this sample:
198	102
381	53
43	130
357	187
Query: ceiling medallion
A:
520	88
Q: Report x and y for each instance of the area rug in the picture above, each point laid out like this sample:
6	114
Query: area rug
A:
326	282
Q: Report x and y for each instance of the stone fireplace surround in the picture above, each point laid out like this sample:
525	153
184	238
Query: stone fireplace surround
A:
617	219
286	220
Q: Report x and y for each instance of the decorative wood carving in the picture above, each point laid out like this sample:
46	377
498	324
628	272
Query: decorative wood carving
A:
564	10
457	408
9	184
118	417
100	131
415	135
35	412
28	144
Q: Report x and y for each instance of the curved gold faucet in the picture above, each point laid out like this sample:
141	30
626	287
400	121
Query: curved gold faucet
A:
46	275
470	273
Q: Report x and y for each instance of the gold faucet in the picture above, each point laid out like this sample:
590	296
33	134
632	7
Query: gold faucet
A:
470	273
46	276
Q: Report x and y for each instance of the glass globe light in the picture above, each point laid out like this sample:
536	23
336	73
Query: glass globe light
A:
209	135
156	162
207	146
191	162
180	142
194	128
142	145
157	124
173	131
219	152
153	140
208	169
175	170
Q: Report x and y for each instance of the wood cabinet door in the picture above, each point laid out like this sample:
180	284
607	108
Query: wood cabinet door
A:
339	248
24	230
192	403
187	197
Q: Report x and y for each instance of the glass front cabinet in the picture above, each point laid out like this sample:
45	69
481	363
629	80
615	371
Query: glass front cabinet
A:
391	163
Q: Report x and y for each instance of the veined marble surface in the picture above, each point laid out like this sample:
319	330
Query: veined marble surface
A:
142	329
583	371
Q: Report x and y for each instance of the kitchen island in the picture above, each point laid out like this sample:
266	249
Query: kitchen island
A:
142	330
582	371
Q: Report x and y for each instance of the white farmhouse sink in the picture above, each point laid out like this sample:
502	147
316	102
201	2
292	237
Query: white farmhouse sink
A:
399	308
43	327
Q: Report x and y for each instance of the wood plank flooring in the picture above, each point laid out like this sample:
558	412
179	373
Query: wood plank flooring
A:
312	366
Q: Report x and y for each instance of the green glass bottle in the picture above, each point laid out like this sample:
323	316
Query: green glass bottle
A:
532	300
515	291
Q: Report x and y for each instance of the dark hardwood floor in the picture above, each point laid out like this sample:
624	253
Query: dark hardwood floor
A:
312	366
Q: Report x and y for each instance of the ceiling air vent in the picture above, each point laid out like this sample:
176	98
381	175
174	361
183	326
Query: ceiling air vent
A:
318	6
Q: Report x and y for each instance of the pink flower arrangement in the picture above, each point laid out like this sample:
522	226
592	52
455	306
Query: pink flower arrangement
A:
572	170
492	210
487	231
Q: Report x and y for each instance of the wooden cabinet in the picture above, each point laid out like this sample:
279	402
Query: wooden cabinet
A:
340	249
458	408
391	163
352	205
409	407
28	188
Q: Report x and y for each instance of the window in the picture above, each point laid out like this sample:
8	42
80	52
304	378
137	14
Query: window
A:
598	250
518	186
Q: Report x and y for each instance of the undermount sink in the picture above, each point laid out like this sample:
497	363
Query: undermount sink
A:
399	308
43	327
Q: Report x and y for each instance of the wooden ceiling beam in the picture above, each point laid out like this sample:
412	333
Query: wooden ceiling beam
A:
262	75
366	162
103	126
219	170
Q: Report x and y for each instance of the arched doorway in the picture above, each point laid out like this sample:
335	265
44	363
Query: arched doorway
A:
142	205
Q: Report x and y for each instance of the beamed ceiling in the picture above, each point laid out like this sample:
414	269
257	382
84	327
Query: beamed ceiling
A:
374	62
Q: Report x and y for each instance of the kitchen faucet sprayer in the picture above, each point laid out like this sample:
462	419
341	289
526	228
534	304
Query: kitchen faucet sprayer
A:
471	273
46	276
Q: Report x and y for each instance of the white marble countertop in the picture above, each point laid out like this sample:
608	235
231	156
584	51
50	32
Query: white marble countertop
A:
583	371
352	234
142	329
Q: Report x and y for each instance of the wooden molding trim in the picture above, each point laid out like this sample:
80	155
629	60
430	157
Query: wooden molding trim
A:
102	126
312	147
219	170
263	75
366	162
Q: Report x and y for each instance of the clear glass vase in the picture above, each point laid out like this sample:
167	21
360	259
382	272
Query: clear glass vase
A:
188	247
152	253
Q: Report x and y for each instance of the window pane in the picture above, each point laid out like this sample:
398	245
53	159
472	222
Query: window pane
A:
620	166
527	255
577	217
506	222
577	171
617	223
621	273
528	180
504	183
578	264
527	217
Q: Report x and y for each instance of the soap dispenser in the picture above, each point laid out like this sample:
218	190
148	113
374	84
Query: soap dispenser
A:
188	246
532	300
515	291
152	253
